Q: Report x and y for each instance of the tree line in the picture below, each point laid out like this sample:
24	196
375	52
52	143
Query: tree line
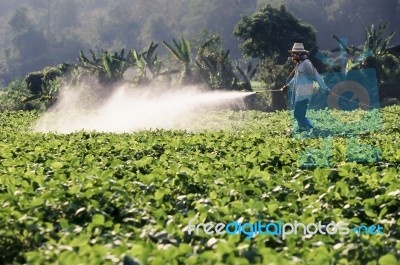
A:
265	35
38	33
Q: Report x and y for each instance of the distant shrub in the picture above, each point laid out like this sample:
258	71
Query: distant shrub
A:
14	95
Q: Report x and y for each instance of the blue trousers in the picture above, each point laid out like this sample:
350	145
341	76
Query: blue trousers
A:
300	110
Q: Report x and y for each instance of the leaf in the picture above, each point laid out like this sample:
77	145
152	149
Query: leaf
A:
213	195
159	195
370	212
388	259
68	257
56	165
37	202
175	52
32	98
343	188
98	220
64	223
80	241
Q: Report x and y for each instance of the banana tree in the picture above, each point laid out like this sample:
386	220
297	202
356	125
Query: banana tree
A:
114	65
375	43
247	76
93	66
108	67
214	64
182	52
153	64
148	61
375	54
216	70
150	57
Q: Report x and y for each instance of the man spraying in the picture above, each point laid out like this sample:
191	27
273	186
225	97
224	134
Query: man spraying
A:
302	85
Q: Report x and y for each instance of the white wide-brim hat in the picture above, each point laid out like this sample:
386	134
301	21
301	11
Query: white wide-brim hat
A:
298	47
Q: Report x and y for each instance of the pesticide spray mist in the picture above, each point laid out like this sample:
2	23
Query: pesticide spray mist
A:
129	110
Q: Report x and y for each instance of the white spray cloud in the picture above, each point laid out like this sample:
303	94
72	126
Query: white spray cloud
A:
128	110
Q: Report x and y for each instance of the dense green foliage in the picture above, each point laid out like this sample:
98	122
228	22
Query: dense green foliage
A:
213	68
102	198
273	31
275	76
39	33
216	68
374	54
13	97
182	51
344	18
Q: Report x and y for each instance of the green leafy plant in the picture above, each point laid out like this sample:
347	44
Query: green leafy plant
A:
114	64
216	69
374	54
181	50
36	81
49	93
14	95
108	68
275	76
248	75
149	61
375	43
272	31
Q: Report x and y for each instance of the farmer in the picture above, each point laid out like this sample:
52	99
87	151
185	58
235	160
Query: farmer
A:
302	85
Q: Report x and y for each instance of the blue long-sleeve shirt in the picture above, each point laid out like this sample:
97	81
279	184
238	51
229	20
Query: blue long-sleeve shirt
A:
302	82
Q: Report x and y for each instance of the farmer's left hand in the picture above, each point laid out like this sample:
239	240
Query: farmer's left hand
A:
325	90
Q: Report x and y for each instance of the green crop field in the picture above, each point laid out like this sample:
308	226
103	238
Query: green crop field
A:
104	198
